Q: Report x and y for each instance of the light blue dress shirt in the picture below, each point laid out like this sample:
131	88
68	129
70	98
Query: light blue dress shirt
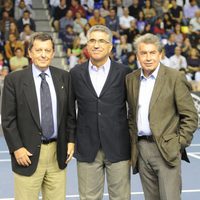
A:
37	80
145	93
98	75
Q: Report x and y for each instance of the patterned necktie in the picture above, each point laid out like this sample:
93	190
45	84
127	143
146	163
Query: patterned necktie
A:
46	108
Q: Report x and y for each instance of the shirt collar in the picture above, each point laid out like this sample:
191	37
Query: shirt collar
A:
104	67
153	75
37	72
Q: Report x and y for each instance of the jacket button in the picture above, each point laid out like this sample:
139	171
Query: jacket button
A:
39	133
99	114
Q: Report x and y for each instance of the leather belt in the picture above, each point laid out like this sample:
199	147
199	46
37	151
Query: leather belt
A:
48	141
148	138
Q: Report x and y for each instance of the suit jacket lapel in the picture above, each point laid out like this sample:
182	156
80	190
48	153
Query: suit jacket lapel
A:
157	87
31	96
86	77
111	76
59	87
136	86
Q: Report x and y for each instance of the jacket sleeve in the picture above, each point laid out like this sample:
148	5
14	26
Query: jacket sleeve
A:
9	115
186	110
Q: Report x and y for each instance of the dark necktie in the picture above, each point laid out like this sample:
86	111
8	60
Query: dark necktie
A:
46	108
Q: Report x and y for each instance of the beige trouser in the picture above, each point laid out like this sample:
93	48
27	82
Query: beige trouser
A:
48	178
91	177
159	181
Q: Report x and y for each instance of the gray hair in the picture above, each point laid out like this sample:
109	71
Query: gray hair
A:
101	28
148	38
42	37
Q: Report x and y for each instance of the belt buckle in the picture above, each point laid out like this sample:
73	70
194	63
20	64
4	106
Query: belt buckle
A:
48	141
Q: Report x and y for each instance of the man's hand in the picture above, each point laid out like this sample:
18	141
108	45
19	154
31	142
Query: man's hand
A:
70	152
22	156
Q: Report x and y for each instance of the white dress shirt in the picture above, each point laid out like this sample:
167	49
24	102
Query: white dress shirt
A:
37	80
98	75
145	93
178	62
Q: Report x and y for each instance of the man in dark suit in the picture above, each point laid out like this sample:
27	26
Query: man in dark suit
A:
162	120
37	121
102	137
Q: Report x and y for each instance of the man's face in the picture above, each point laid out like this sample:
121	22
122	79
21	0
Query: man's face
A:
42	53
99	46
148	57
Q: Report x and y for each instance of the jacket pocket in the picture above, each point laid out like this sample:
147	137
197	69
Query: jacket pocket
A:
170	147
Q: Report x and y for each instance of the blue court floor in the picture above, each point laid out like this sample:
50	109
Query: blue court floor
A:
190	176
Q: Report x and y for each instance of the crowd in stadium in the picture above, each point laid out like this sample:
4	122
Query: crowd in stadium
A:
177	23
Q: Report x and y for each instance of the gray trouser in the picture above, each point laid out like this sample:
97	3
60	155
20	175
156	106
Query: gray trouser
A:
91	177
159	181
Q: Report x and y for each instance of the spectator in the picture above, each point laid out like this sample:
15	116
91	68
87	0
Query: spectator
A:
189	10
79	23
147	29
25	37
167	22
68	37
149	12
164	59
193	61
176	12
83	35
179	37
157	5
112	22
132	32
165	6
124	21
74	53
104	10
11	45
3	63
27	3
134	9
195	22
177	61
119	7
170	46
52	6
13	29
88	5
131	61
18	61
5	25
159	28
141	22
76	7
123	49
21	7
26	19
65	21
8	7
96	19
186	47
60	11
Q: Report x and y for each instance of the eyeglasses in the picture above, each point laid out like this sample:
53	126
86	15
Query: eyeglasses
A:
100	42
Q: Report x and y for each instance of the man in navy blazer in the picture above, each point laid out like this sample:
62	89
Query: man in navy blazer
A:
37	161
102	137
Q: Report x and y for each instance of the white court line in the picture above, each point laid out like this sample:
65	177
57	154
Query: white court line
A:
4	151
194	155
106	194
195	145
